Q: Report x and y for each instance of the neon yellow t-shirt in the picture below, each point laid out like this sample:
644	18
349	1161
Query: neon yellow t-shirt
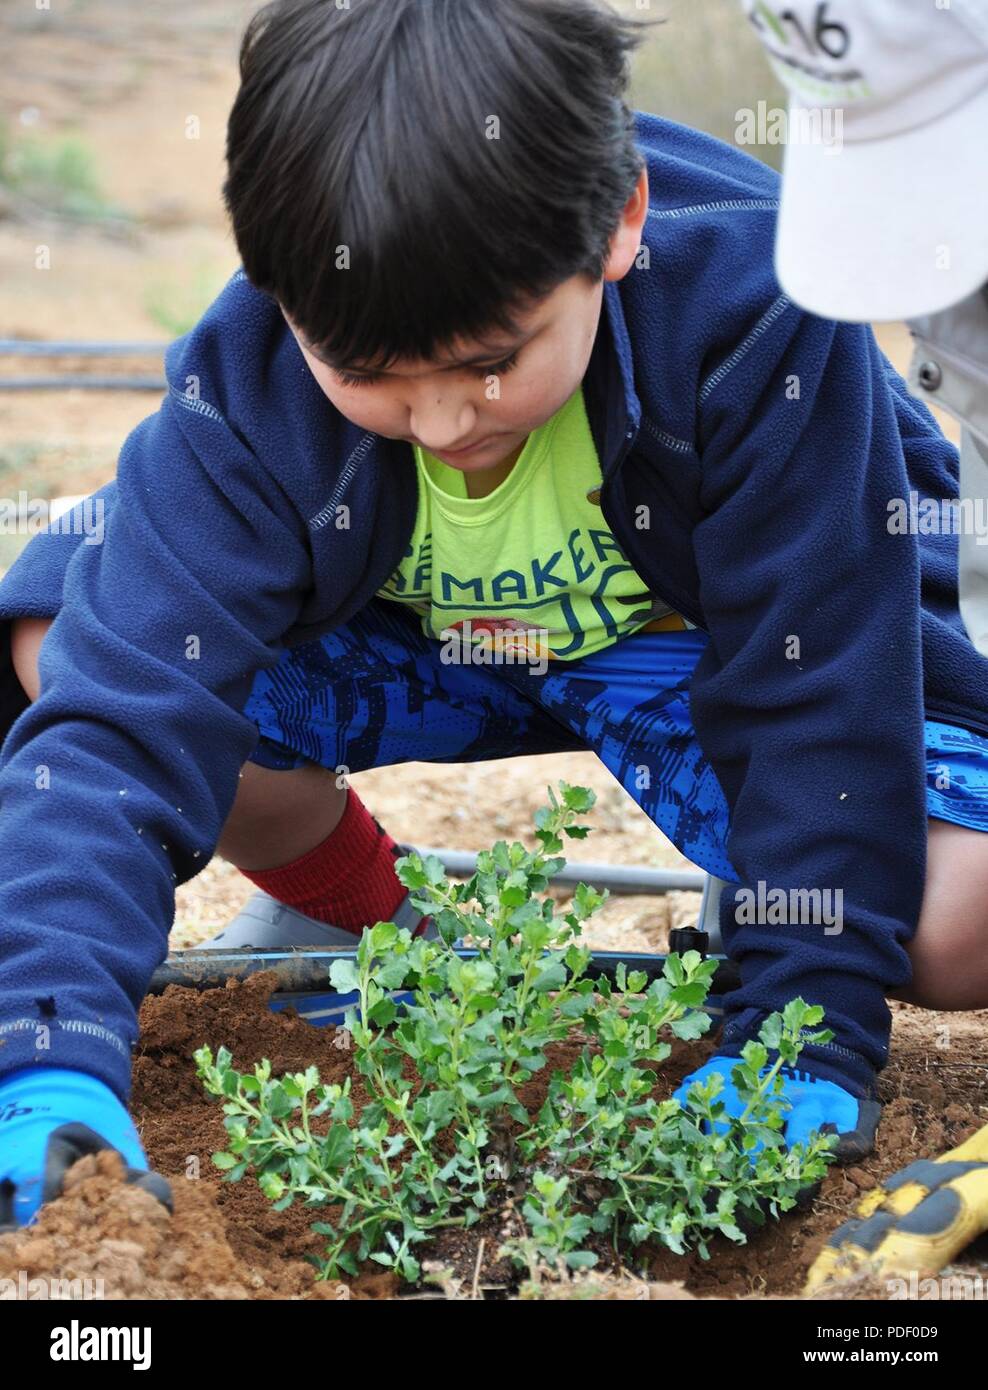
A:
533	565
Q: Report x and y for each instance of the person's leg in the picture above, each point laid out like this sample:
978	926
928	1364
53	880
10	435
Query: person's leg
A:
375	693
295	829
372	693
949	951
307	840
276	816
26	636
280	816
284	829
631	705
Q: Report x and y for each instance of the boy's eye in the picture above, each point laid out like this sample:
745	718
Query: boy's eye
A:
497	369
500	368
346	380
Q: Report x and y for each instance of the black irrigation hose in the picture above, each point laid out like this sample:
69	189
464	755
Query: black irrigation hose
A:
31	347
83	383
307	970
36	347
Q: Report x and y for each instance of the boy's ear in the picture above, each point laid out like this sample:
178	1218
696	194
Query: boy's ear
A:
626	241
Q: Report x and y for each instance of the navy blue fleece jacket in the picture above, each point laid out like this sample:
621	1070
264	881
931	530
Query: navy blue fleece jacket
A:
247	514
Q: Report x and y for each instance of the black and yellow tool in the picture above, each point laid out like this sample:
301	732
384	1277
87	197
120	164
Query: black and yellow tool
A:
916	1221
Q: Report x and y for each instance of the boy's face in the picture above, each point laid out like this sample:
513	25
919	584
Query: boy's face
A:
476	407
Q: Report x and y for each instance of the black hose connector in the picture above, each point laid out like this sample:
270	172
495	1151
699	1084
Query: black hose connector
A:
682	939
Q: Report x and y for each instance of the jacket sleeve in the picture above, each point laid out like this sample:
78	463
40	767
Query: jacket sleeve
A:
809	698
116	782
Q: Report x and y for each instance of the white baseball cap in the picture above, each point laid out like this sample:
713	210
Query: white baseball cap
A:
884	211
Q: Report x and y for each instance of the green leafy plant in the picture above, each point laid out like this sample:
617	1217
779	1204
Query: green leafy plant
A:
56	175
445	1139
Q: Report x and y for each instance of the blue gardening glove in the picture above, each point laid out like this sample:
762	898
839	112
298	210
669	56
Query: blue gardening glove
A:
816	1104
49	1117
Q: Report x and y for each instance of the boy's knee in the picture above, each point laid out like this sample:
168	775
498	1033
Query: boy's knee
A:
26	636
950	968
948	951
277	816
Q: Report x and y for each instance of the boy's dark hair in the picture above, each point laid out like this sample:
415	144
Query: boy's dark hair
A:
405	172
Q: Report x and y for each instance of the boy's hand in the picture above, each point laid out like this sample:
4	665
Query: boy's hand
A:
49	1118
816	1104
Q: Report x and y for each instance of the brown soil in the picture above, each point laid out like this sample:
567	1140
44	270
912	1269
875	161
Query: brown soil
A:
226	1242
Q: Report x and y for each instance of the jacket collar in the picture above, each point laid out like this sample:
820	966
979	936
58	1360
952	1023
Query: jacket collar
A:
613	407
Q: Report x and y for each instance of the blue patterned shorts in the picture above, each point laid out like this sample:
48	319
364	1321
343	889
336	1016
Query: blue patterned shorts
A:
375	693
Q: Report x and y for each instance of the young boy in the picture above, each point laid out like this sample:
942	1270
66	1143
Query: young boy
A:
501	353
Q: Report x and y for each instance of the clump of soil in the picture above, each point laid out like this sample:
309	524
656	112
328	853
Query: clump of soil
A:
122	1241
225	1241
